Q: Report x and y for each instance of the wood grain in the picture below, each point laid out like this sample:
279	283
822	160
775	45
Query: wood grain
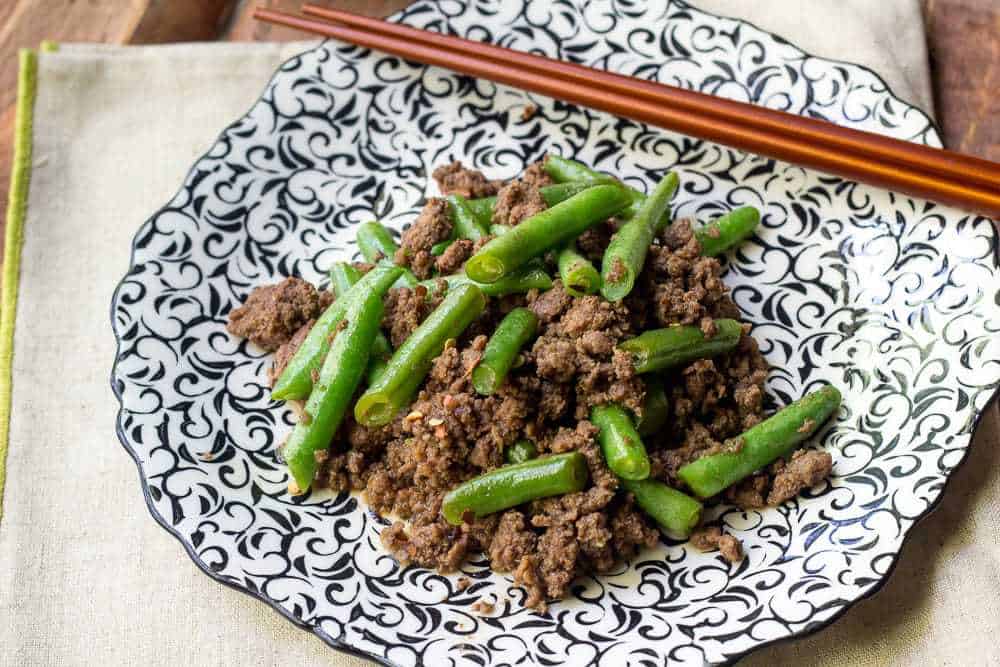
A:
964	40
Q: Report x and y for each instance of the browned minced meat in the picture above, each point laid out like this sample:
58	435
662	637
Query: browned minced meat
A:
528	112
710	538
452	259
455	178
287	350
806	469
272	314
577	345
683	286
593	242
781	480
535	175
516	202
483	606
432	226
405	309
450	433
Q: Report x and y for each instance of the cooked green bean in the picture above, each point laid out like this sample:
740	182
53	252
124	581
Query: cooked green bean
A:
521	281
500	230
375	242
677	513
515	329
295	381
343	276
338	380
378	247
521	451
578	275
409	365
482	208
563	170
659	349
548	229
513	485
655	408
438	248
769	440
623	449
625	255
727	231
467	225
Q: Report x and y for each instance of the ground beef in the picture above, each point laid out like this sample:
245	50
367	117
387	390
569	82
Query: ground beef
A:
287	350
432	226
683	286
405	309
578	345
781	480
593	242
550	304
528	113
710	538
516	202
804	470
512	542
452	259
272	314
454	178
535	175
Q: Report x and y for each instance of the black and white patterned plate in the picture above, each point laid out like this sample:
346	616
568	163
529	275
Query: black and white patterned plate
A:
894	300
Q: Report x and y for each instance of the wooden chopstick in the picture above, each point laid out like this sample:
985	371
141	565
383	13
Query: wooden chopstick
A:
783	146
964	168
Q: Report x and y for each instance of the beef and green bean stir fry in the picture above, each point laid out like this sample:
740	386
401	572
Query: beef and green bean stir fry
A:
549	371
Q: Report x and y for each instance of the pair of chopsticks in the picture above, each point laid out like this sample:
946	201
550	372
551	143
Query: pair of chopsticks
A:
928	173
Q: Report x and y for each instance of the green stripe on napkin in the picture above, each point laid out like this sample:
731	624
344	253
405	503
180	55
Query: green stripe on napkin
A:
17	204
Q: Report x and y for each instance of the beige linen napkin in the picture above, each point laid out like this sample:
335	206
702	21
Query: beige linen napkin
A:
89	578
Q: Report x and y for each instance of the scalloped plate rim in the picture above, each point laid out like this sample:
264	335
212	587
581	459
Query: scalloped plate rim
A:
342	646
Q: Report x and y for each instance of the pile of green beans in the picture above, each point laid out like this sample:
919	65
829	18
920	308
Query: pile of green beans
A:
766	442
395	388
551	228
626	254
517	328
513	485
378	247
295	382
620	442
339	378
660	349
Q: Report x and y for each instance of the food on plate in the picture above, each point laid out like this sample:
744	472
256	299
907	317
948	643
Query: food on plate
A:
548	370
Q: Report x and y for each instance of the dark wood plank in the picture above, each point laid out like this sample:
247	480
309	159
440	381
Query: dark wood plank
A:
243	27
964	41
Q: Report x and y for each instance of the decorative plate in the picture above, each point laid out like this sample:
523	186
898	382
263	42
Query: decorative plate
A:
894	300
